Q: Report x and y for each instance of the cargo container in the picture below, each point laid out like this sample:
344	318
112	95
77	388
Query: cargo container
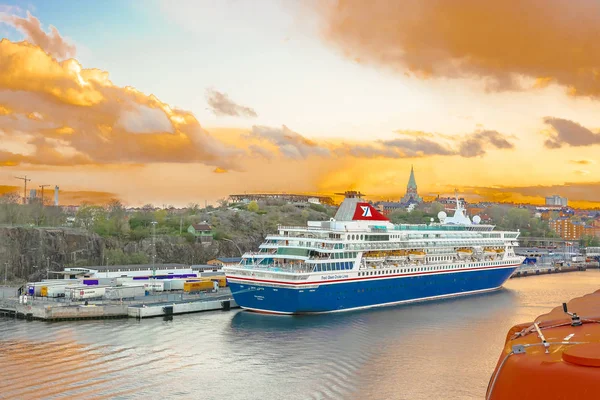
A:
173	284
123	279
149	285
56	291
107	281
220	279
210	274
125	292
84	292
35	288
197	286
198	279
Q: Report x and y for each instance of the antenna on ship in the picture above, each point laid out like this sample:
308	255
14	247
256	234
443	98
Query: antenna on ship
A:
351	194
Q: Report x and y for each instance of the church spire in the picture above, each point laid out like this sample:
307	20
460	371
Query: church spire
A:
411	195
412	183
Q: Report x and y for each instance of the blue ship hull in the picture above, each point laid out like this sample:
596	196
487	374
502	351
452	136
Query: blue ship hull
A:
365	293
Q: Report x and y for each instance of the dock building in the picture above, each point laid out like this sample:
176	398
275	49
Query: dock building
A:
136	270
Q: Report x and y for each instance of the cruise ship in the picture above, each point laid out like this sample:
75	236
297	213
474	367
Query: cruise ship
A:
359	259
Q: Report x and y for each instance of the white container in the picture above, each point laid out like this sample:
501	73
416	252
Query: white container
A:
122	280
173	284
149	285
125	292
37	286
56	291
85	292
107	281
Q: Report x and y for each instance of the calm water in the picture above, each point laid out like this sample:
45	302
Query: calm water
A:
440	350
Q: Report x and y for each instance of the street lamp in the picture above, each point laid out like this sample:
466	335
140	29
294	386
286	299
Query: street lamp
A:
153	248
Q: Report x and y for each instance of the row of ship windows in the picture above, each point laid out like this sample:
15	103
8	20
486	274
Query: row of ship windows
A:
337	266
423	269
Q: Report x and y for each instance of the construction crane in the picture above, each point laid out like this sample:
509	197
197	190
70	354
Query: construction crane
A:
25	180
43	186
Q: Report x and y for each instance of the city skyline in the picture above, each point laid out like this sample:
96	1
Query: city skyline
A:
172	105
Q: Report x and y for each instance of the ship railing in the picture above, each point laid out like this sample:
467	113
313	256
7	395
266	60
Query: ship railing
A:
299	227
289	268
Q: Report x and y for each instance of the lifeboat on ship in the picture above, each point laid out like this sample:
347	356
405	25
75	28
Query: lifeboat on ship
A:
416	255
555	357
398	255
489	252
464	252
374	256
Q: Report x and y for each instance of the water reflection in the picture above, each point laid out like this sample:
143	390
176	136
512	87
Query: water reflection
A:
443	350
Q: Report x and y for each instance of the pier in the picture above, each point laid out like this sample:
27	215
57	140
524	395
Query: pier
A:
532	270
149	306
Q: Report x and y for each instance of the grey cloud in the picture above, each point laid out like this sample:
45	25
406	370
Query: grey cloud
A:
418	147
568	132
289	143
295	146
476	143
220	104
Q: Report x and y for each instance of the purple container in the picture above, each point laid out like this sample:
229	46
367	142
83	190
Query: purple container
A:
90	281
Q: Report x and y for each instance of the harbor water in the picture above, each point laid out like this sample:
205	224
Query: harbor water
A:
436	350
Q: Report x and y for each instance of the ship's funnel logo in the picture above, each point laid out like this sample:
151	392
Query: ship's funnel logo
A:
366	211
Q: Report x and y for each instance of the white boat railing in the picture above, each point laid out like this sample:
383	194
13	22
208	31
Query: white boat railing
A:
285	268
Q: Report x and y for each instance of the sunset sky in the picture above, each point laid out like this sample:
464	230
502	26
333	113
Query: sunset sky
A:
176	102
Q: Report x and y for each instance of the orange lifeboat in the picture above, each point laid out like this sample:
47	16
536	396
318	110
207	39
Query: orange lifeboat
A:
555	357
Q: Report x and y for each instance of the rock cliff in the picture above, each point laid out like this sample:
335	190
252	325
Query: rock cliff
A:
30	252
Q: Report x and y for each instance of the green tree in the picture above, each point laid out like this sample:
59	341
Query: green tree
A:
516	218
10	211
193	208
436	207
253	206
160	216
117	218
88	214
497	214
589	241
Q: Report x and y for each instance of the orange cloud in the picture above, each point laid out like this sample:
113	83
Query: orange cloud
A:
498	41
76	116
52	43
582	162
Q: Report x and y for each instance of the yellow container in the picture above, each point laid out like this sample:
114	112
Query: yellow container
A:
221	279
197	286
44	291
